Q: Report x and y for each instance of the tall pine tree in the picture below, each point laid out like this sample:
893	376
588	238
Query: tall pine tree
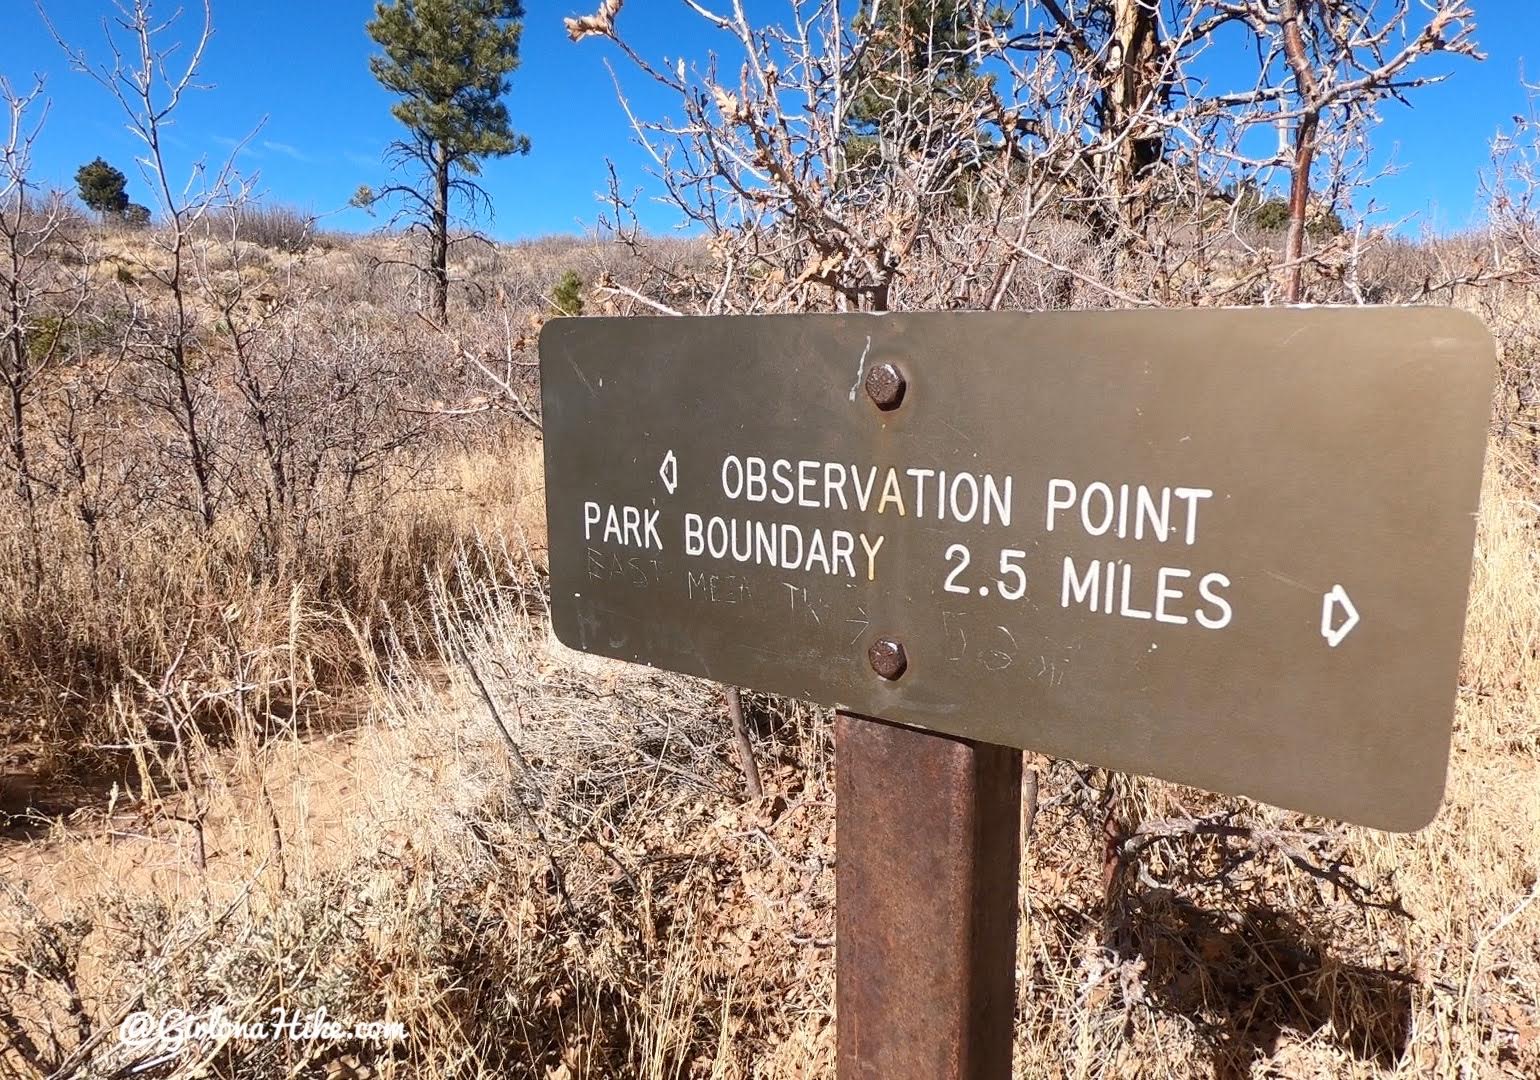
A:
448	62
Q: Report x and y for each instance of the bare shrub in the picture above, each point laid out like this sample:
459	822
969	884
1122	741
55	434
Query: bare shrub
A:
226	459
937	154
272	226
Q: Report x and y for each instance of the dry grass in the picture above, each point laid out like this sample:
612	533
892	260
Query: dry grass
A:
364	776
601	903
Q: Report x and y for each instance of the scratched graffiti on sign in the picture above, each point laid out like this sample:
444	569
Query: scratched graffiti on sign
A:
1227	548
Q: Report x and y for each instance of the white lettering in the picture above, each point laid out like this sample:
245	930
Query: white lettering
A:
1222	619
754	479
997	499
1054	504
1085	508
716	538
748	542
767	543
871	555
806	481
973	498
1164	592
1084	588
1124	609
832	487
731	465
919	488
841	546
787	559
1192	495
864	495
1160	523
781	471
891	493
817	553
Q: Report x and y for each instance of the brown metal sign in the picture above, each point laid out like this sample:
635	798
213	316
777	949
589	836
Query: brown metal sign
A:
1227	548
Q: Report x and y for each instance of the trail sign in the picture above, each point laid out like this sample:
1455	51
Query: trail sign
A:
1228	548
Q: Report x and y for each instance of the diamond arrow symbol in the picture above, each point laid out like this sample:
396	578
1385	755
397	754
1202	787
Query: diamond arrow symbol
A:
1329	604
669	471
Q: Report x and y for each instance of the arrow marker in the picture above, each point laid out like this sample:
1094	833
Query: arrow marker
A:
669	471
1329	603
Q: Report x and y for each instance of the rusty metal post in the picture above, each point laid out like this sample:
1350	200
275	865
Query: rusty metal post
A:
929	859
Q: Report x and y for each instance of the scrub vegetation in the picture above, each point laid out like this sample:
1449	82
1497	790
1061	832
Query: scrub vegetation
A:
282	720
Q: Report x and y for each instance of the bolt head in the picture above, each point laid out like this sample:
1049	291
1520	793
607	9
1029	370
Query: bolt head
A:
888	658
885	385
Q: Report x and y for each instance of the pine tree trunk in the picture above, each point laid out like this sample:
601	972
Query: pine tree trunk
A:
439	257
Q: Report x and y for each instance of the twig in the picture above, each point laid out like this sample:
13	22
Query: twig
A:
1029	802
745	747
640	299
1481	945
514	397
529	776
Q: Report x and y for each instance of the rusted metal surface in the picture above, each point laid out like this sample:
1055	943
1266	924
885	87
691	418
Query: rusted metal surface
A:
1227	548
926	906
885	385
888	658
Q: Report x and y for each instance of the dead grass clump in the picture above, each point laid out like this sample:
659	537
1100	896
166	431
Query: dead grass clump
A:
545	871
273	226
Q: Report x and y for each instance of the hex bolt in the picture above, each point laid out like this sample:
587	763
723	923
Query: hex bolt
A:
888	658
885	385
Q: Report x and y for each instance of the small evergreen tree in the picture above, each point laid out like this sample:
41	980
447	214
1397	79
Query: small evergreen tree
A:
1321	221
567	297
102	188
448	62
1271	215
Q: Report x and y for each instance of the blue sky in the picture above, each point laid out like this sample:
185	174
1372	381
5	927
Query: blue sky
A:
299	69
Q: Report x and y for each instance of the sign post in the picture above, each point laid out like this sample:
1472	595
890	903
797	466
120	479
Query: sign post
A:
927	831
1228	548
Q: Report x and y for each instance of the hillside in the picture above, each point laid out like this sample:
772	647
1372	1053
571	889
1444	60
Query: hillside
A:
324	751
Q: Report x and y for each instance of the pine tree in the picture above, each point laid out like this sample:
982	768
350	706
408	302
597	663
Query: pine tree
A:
918	55
448	62
567	297
102	188
906	39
